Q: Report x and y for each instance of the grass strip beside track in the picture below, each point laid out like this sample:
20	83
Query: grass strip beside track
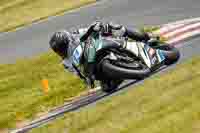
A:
17	13
167	103
21	94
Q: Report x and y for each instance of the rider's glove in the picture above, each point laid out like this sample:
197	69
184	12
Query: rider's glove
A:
108	27
154	40
96	26
153	36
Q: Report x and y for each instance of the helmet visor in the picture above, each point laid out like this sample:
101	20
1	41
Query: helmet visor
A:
61	50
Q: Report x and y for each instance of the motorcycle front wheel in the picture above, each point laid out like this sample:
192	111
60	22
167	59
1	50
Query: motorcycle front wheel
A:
171	53
115	71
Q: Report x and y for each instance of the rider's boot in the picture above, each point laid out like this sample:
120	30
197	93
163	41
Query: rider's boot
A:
89	70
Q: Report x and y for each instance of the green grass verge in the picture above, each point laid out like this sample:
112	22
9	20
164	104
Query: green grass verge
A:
166	103
17	13
21	94
151	29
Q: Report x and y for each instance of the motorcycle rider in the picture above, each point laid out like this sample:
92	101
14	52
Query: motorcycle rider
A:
64	43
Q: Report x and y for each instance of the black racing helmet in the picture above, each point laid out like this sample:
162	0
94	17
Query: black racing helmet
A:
59	43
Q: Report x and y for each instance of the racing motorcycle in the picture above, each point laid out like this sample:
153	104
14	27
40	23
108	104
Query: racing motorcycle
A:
119	59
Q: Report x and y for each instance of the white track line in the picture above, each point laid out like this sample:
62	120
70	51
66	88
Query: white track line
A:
183	21
180	31
184	36
165	29
176	25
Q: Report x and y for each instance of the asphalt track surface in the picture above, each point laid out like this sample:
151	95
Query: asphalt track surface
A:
33	39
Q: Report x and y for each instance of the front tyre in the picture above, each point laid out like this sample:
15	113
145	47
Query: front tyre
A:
171	54
114	71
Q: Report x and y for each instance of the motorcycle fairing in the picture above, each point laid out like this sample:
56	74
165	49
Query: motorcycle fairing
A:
77	55
160	55
93	44
150	56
